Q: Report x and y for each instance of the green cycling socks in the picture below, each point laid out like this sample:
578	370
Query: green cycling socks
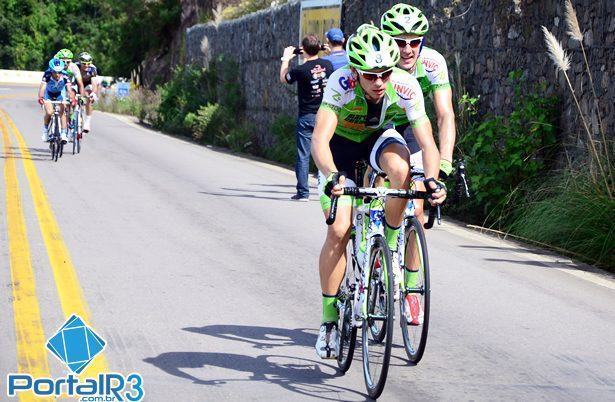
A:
412	278
329	309
391	235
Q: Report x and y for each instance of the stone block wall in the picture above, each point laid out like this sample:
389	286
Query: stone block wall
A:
482	40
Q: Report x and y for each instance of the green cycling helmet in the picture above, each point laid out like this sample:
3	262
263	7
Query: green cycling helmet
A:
64	54
404	19
370	48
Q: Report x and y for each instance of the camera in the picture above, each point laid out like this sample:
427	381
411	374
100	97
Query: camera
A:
297	50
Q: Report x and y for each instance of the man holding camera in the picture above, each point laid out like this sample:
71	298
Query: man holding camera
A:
311	78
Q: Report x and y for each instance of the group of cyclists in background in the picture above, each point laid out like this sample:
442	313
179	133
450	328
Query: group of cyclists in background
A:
69	84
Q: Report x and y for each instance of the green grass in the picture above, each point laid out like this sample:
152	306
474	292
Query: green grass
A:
572	212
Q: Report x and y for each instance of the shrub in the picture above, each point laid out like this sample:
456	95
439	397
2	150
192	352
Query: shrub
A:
504	151
142	103
283	149
189	88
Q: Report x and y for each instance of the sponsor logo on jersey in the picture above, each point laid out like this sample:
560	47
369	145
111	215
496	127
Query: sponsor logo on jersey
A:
347	83
404	92
355	118
430	65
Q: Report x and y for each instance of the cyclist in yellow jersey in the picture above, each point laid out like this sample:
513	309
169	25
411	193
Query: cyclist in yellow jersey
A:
359	104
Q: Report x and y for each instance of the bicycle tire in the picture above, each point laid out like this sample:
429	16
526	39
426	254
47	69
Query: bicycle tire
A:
378	287
347	331
415	349
56	137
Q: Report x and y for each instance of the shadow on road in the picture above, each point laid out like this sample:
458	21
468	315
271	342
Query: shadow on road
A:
296	374
259	337
302	376
245	196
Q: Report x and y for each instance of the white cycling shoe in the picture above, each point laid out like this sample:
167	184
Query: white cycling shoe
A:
327	344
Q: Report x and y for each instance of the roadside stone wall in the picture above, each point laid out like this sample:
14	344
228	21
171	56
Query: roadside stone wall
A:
482	40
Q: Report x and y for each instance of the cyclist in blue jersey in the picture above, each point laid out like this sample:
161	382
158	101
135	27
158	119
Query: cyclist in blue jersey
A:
54	87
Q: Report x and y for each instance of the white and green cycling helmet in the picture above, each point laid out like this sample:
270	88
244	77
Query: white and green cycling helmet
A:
85	57
404	19
370	48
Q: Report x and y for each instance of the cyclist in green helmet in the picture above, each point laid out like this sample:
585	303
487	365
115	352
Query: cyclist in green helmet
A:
353	124
408	27
72	70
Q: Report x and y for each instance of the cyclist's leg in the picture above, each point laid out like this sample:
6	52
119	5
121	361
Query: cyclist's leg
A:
390	155
416	163
48	111
88	109
63	117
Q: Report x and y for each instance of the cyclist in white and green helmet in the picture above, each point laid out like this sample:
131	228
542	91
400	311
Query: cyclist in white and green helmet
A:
352	124
89	73
72	70
408	27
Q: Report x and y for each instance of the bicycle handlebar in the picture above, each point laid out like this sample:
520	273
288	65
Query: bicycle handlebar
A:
374	192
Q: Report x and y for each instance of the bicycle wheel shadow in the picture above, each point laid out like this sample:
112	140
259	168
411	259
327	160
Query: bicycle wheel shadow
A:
296	374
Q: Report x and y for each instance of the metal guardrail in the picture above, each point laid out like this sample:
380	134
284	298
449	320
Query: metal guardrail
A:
30	77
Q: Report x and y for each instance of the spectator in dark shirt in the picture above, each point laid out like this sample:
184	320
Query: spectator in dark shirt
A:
335	42
311	78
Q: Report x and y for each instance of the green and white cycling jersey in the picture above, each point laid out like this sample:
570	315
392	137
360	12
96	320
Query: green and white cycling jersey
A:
346	99
73	73
432	74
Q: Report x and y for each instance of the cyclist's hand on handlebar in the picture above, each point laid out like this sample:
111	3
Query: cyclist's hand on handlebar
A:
437	190
335	184
41	101
338	189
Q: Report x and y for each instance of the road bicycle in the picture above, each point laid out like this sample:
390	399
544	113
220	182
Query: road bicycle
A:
366	298
76	124
53	132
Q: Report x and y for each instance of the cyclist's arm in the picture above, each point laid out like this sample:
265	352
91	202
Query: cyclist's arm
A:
413	103
431	157
80	85
41	89
443	102
326	121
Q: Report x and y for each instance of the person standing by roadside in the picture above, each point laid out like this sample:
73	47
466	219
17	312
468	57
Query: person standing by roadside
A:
335	43
311	78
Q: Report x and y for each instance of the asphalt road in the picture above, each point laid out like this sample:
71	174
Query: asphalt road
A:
202	276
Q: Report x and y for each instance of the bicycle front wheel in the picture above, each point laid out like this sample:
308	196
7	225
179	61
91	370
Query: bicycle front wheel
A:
378	323
347	331
414	332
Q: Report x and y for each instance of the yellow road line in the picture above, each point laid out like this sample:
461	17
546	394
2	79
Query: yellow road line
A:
31	352
67	283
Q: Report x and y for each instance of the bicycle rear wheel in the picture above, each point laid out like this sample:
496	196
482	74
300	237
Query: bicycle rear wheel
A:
347	331
415	336
380	312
